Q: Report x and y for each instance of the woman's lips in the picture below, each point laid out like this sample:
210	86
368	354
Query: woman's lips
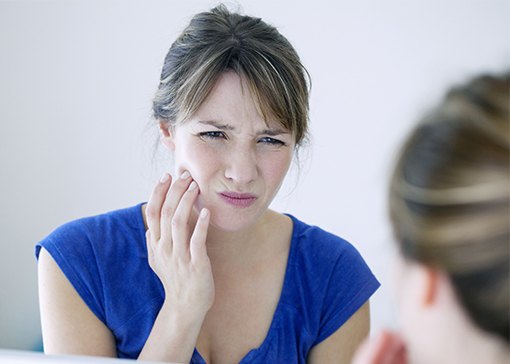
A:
238	199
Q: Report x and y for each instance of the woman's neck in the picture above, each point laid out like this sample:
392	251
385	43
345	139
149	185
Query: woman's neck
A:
478	348
238	246
468	344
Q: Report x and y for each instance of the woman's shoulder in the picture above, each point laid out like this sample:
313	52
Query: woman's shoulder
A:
323	242
101	256
329	275
129	217
326	256
96	232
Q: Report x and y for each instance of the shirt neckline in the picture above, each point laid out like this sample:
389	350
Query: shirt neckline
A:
198	359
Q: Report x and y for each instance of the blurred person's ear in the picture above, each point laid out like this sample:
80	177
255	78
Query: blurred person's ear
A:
432	280
420	284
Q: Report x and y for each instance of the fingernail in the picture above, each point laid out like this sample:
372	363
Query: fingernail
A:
203	213
164	178
192	186
185	175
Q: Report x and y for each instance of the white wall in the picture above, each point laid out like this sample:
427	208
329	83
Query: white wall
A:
77	77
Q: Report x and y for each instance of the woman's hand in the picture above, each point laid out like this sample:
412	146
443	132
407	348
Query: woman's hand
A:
178	255
176	247
385	348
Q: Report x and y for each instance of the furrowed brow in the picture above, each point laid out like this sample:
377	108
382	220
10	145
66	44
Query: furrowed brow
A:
272	132
217	124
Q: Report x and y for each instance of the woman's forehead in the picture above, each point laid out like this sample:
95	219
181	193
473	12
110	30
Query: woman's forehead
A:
231	102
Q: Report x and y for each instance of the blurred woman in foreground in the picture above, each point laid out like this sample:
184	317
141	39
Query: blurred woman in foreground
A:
450	211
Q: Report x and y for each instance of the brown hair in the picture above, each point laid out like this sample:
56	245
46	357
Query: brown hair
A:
450	197
219	40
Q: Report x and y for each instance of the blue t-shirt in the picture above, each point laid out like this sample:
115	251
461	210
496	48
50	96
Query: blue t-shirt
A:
105	259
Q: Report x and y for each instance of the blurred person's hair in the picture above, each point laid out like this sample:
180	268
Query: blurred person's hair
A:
218	41
450	197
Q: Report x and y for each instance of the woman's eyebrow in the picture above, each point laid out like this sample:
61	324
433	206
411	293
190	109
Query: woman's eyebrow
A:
216	124
273	132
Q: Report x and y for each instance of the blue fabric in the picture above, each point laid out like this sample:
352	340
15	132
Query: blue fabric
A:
105	259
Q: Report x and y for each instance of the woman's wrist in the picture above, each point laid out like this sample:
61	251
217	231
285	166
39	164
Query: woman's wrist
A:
174	335
181	317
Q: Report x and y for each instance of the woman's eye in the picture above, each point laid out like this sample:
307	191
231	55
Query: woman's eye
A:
212	135
271	141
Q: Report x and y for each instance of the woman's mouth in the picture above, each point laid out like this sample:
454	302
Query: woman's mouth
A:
237	199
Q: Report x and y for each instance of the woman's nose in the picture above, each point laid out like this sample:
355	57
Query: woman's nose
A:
241	167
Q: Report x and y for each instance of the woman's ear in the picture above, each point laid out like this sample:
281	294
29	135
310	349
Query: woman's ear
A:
420	284
166	135
432	281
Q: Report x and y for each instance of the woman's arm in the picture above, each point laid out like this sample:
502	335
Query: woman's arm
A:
68	325
342	344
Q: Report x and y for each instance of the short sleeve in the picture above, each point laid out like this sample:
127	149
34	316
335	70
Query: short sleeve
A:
350	285
70	247
104	257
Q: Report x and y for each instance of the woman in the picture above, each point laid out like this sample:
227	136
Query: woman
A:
450	210
205	272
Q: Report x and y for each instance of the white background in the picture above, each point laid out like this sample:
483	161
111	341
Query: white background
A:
77	78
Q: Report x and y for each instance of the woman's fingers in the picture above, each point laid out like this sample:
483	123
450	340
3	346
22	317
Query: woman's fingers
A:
172	200
198	249
153	209
150	251
180	221
171	250
180	261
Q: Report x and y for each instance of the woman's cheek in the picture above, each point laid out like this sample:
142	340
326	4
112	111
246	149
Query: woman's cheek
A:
203	163
195	158
276	168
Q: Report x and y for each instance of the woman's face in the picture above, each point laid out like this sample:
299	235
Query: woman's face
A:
238	160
